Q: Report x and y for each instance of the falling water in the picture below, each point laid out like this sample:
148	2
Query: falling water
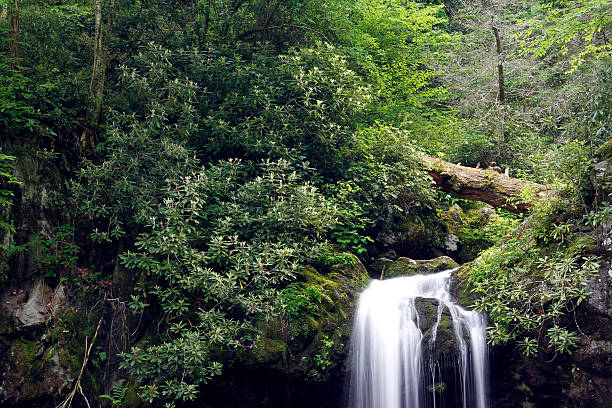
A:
389	368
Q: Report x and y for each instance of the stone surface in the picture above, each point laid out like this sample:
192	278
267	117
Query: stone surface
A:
600	288
31	303
406	266
602	174
445	346
605	150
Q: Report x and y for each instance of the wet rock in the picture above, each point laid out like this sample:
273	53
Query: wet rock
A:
439	343
379	265
406	266
602	174
600	288
460	288
451	242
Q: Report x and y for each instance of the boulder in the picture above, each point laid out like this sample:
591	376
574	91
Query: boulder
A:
444	346
605	150
407	267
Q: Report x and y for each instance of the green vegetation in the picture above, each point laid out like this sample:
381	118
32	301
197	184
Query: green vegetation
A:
208	170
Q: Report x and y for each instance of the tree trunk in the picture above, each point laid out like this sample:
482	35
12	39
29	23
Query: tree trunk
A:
487	186
14	50
98	75
500	65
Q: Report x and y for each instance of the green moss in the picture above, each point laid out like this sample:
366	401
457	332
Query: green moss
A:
461	287
582	244
312	340
605	150
408	267
131	398
26	370
270	351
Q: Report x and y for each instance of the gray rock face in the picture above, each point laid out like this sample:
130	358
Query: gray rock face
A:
600	288
602	173
451	243
32	304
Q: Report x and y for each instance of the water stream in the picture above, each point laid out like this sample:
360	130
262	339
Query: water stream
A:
396	357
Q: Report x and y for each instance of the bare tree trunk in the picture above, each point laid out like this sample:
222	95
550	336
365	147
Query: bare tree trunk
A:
14	50
98	74
500	64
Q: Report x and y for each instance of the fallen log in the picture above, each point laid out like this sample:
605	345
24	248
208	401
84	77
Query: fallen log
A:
484	185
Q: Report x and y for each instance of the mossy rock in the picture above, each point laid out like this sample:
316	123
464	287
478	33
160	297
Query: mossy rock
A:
271	351
445	343
453	219
460	287
33	373
379	264
313	342
605	150
407	267
412	230
583	244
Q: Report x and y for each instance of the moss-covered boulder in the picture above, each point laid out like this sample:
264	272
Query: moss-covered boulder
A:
311	339
412	232
439	341
408	267
605	150
460	288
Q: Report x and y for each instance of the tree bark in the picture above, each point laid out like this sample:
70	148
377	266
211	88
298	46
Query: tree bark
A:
500	65
487	186
14	50
98	75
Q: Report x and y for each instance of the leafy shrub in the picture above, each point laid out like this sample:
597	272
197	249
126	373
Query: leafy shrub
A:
56	254
528	284
214	254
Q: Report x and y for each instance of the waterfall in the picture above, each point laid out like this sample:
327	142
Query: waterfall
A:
396	358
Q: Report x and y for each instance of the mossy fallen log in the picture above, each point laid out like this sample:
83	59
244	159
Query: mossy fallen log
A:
484	185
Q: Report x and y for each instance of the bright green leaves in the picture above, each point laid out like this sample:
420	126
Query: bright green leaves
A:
575	28
398	44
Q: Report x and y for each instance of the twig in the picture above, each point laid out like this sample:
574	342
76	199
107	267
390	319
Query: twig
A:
77	386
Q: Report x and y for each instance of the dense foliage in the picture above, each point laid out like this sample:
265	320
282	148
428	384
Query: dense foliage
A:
215	148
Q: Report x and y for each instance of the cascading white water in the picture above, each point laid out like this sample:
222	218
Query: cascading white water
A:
388	367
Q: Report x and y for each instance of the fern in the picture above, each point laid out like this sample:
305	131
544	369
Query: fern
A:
118	393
